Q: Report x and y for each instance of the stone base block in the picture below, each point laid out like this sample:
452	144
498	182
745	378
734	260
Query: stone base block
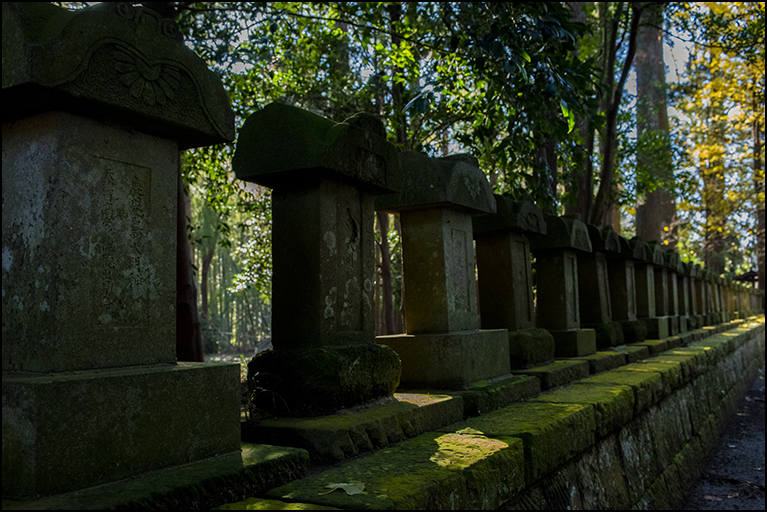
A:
450	361
673	325
530	348
63	432
575	342
657	327
609	334
633	331
317	381
358	430
683	327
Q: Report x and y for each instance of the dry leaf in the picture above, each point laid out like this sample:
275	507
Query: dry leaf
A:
351	489
712	498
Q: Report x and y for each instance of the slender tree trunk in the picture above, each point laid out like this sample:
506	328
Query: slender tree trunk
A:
388	312
759	189
655	218
188	335
601	212
204	273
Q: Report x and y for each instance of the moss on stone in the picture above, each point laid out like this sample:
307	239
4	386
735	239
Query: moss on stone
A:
647	386
613	404
558	373
552	433
454	470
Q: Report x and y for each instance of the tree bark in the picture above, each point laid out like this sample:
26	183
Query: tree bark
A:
655	218
188	335
601	212
759	189
387	326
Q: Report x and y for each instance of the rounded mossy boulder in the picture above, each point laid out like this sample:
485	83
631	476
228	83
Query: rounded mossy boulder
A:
317	381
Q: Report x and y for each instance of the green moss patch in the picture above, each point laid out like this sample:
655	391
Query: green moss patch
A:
654	346
199	485
603	361
646	386
482	400
263	504
436	470
671	372
613	404
335	437
559	373
552	433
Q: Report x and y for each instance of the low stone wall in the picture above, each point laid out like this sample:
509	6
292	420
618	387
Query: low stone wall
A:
651	443
634	436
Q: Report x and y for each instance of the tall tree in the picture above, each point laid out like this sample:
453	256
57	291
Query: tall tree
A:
657	209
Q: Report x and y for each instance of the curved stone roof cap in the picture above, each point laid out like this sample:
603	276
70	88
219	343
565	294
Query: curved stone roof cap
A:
111	61
454	182
562	233
672	261
521	215
604	239
280	145
651	252
632	249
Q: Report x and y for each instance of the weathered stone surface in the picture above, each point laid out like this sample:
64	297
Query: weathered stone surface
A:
557	298
59	429
520	215
562	233
439	272
505	282
540	426
574	342
454	469
558	373
613	404
281	146
111	61
251	470
321	380
450	360
453	182
358	430
529	348
88	242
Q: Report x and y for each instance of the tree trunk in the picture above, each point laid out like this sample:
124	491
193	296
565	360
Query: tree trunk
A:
204	273
387	326
655	218
759	189
188	335
600	214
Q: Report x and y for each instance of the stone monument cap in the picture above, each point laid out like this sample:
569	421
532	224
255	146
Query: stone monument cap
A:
672	261
604	239
562	233
651	252
631	249
282	145
455	182
111	61
520	215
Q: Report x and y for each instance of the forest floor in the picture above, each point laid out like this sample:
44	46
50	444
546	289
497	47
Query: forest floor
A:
734	478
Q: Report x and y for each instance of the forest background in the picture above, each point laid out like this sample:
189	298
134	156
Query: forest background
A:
536	91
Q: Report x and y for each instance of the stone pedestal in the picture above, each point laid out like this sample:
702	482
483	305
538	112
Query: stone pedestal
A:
505	282
622	282
99	103
593	280
324	176
443	347
647	308
558	309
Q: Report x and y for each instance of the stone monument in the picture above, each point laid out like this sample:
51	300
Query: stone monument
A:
594	281
647	298
443	347
96	106
558	309
323	175
620	269
505	281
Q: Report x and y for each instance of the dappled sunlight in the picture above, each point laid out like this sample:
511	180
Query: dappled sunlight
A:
464	448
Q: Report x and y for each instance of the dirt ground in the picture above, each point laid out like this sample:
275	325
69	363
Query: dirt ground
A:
734	479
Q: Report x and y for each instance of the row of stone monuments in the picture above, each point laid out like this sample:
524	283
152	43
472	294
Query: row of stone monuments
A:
97	106
327	180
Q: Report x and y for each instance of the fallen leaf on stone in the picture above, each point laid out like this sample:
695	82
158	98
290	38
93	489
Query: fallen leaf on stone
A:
712	498
351	489
733	495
